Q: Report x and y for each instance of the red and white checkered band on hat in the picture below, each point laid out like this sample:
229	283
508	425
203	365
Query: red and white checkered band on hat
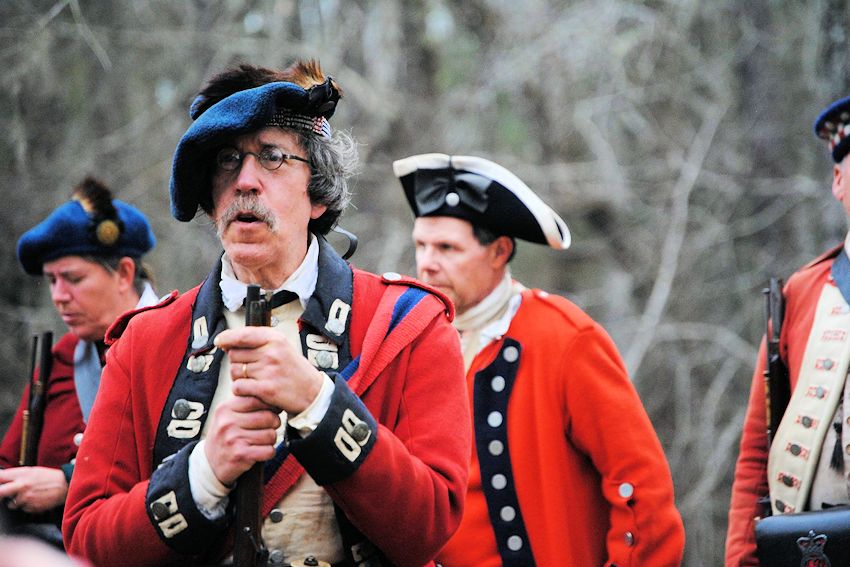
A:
837	134
315	124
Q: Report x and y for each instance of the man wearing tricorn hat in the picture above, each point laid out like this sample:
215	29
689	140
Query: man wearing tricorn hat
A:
351	398
807	464
566	468
89	250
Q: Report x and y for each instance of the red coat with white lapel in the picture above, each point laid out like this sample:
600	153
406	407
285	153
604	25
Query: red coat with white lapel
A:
801	297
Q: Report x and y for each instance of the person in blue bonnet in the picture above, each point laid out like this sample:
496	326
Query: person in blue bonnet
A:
806	466
89	250
353	397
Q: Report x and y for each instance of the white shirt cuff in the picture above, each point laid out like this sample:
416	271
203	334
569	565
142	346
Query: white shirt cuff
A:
209	493
307	421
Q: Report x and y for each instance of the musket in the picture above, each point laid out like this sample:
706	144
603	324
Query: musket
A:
776	380
33	415
249	550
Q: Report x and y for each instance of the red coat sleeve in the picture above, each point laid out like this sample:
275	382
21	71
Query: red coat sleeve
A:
407	497
750	482
607	421
105	515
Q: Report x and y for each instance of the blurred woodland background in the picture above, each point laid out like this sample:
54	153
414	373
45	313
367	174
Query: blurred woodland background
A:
673	136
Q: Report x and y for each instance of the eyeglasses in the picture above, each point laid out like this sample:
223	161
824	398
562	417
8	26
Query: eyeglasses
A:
270	157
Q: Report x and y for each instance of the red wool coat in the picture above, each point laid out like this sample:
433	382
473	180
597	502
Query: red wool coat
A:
406	496
801	296
589	475
63	419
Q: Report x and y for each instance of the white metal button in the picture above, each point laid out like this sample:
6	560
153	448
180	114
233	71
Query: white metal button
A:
497	383
499	481
496	447
276	557
324	359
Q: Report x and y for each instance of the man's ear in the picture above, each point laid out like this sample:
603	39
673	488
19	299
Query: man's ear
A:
839	181
317	210
503	247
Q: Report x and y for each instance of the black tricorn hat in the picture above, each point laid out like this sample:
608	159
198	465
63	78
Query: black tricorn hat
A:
481	192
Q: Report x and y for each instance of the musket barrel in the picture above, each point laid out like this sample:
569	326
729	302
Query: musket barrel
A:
249	550
33	421
777	383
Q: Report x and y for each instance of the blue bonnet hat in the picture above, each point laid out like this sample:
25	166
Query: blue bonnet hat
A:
481	192
833	125
92	223
281	103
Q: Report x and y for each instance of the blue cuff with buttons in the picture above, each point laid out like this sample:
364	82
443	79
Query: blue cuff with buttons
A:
172	509
342	440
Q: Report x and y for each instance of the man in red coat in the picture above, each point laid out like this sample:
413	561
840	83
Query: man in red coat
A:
350	399
807	464
566	467
89	249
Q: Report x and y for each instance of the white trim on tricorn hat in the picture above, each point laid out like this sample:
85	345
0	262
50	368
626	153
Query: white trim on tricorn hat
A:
481	192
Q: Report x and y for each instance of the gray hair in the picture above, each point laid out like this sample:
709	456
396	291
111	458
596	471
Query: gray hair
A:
334	162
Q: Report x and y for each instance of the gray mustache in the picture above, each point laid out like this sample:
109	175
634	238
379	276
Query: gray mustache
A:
246	203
